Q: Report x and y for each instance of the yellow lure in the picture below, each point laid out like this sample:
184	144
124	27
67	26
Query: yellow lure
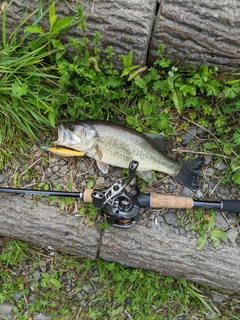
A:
64	152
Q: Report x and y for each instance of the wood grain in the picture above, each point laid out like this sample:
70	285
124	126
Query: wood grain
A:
199	32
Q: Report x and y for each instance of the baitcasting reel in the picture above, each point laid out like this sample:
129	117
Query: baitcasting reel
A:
118	206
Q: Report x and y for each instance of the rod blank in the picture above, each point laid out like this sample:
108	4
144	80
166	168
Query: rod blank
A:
42	192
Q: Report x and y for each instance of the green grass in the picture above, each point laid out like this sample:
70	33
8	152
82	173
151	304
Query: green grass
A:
115	291
40	85
29	90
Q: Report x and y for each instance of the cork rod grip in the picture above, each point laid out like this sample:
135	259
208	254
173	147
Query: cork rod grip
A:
165	201
87	195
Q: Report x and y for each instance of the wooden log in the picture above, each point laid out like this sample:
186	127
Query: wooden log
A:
194	31
154	248
172	255
45	225
199	32
125	25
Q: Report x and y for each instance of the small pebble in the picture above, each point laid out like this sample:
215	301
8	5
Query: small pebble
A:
83	167
176	231
186	192
182	231
17	295
53	160
234	190
79	296
100	181
172	188
87	288
91	172
43	267
36	276
221	222
83	184
32	297
208	159
64	169
161	219
220	166
55	168
171	218
149	225
217	298
41	316
232	235
222	191
188	136
83	303
199	194
54	177
6	310
209	172
205	187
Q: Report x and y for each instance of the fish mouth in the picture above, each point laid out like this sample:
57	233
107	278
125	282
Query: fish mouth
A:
64	136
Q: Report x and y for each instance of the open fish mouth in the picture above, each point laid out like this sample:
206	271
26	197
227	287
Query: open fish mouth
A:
64	137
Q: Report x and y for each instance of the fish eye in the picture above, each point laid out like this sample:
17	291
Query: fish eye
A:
71	127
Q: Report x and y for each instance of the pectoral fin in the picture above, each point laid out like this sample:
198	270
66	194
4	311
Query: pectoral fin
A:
147	175
99	152
102	166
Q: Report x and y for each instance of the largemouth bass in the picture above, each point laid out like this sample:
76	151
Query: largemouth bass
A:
117	145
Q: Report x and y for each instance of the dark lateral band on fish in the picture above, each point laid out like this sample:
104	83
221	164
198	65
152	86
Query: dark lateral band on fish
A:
114	144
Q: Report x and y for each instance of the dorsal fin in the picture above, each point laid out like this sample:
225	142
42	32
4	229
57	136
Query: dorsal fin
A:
159	140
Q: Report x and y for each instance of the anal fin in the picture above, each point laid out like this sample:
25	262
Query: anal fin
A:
147	175
102	166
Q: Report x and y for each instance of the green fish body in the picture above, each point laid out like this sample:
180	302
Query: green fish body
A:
117	145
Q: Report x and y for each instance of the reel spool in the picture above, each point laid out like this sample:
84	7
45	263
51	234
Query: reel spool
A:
118	206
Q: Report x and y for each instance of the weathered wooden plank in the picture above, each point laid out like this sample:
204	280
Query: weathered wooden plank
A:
156	249
45	225
195	31
173	255
199	32
125	25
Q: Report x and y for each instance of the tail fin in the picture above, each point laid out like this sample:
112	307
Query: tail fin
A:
189	172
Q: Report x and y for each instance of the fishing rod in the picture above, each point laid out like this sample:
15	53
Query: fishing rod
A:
121	208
